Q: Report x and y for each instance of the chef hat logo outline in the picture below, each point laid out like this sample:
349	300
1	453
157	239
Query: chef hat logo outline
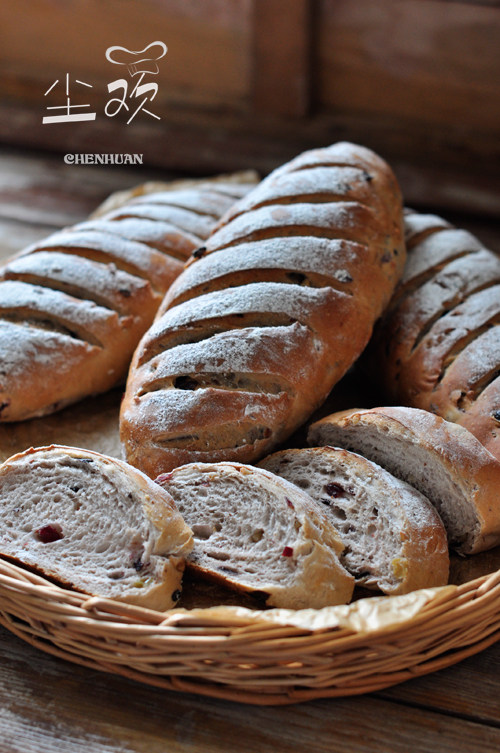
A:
146	64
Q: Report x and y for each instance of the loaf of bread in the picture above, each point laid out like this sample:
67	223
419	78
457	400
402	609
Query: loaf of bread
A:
438	345
93	524
394	539
269	313
74	306
257	533
442	460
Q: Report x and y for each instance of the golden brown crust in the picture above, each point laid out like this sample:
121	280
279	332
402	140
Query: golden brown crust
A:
287	258
172	413
180	193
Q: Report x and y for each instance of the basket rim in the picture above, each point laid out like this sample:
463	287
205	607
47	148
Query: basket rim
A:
14	576
253	656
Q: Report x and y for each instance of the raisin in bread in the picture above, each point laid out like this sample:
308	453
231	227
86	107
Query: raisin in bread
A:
395	540
257	533
94	524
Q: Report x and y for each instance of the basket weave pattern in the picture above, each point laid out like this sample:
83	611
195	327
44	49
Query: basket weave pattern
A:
243	658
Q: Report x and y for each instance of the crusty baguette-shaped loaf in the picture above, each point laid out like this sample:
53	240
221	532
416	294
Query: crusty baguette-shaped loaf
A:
269	313
438	345
94	524
441	459
257	533
395	540
74	306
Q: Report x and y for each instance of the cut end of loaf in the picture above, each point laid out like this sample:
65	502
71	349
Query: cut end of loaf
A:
395	541
257	533
94	524
442	460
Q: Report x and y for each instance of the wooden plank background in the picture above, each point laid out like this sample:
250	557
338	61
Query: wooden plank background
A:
433	63
250	83
206	64
49	706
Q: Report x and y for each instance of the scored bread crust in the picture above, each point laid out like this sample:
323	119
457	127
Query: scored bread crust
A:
306	554
74	306
438	345
305	263
413	443
147	552
395	538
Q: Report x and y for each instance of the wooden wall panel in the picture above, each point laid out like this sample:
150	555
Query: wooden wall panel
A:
207	63
430	61
281	57
250	83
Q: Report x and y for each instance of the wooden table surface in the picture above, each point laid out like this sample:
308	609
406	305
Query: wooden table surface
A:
48	705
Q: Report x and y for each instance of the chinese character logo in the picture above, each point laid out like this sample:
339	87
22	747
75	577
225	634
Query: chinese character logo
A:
141	63
132	95
69	116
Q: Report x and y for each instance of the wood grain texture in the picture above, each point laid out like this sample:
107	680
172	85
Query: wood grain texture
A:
250	83
434	62
426	162
281	57
47	705
15	235
208	42
42	189
469	689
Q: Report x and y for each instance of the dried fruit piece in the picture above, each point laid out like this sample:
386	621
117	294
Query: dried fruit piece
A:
49	533
334	489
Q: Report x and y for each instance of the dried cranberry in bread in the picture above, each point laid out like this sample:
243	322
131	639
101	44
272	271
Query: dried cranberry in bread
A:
94	524
257	533
74	306
438	345
395	540
442	460
268	315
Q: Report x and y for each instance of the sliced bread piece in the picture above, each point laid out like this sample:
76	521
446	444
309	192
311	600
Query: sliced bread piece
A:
94	524
441	459
395	540
257	533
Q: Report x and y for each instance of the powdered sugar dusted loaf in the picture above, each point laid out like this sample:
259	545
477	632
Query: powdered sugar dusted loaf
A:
74	306
438	345
93	523
268	315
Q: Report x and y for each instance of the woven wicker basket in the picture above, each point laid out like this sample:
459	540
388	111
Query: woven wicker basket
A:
271	657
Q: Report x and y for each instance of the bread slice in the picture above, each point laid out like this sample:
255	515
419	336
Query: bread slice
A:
441	459
257	533
395	540
94	524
